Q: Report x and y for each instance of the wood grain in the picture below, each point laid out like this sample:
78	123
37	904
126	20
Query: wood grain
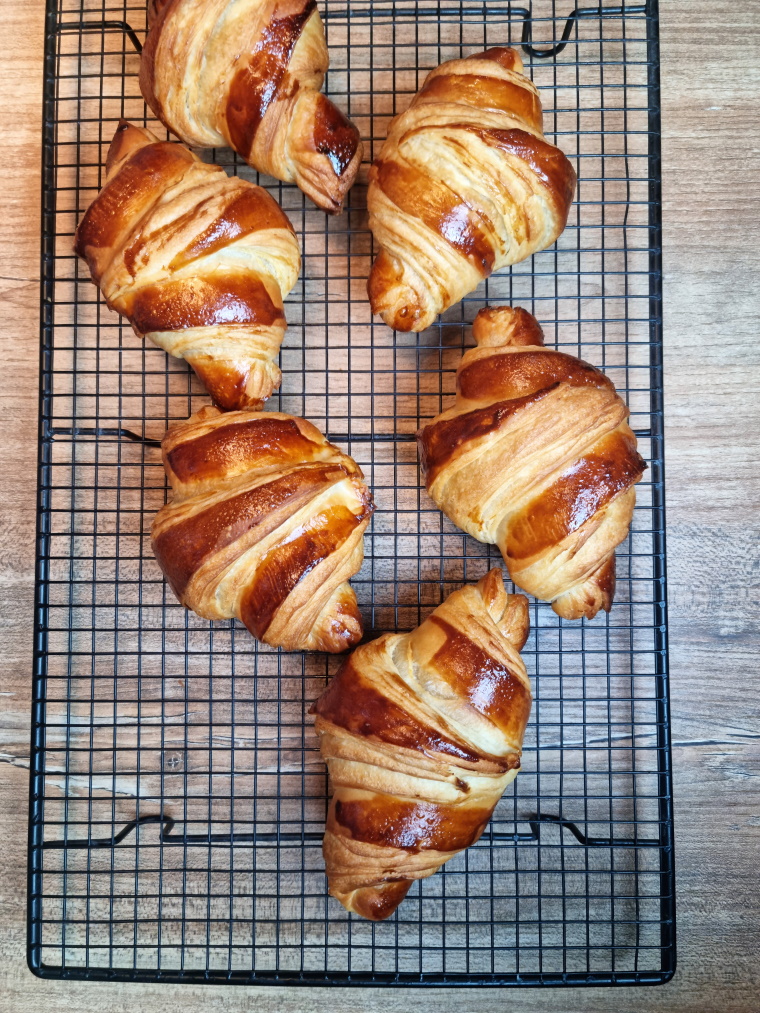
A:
711	147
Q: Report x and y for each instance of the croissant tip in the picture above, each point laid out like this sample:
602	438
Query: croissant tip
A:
229	383
505	56
392	299
326	149
509	611
343	630
375	903
506	325
399	310
595	594
241	403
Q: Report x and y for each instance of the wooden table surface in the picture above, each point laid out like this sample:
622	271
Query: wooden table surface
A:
711	178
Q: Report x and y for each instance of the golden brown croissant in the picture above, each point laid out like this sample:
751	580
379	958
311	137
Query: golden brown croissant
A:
465	185
198	261
537	457
266	525
422	732
247	74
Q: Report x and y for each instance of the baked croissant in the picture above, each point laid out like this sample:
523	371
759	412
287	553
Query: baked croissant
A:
465	185
266	525
422	732
247	74
537	457
198	261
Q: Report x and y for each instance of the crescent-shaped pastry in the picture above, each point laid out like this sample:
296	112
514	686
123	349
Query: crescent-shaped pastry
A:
537	457
465	184
198	261
422	732
266	525
247	74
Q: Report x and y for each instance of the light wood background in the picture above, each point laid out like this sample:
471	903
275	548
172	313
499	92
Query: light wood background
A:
711	173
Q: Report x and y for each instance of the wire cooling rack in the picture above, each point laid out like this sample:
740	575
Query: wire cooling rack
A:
177	794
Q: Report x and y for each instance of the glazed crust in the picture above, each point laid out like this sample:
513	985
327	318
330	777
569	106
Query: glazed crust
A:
247	74
465	185
422	732
198	261
537	457
266	525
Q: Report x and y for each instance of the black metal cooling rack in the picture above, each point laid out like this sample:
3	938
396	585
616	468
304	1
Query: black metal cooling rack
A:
177	795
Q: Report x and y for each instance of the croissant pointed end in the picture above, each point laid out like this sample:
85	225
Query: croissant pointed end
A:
496	326
594	594
235	385
508	611
391	298
127	139
326	150
340	625
509	59
375	903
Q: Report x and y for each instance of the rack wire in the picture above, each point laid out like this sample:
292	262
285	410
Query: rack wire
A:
177	794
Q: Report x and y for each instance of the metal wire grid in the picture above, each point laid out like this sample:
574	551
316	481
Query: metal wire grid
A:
177	795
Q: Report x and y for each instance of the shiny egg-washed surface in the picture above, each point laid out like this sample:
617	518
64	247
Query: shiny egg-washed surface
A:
422	732
247	74
465	184
196	261
266	525
537	457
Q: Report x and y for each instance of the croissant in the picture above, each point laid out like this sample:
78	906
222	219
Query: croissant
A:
537	457
465	185
198	261
247	74
422	732
266	525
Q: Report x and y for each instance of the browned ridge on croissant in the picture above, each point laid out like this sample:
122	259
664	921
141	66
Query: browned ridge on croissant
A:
182	548
411	826
440	441
266	525
247	73
466	229
178	305
422	732
350	702
537	457
197	261
262	440
256	84
576	496
519	371
465	184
